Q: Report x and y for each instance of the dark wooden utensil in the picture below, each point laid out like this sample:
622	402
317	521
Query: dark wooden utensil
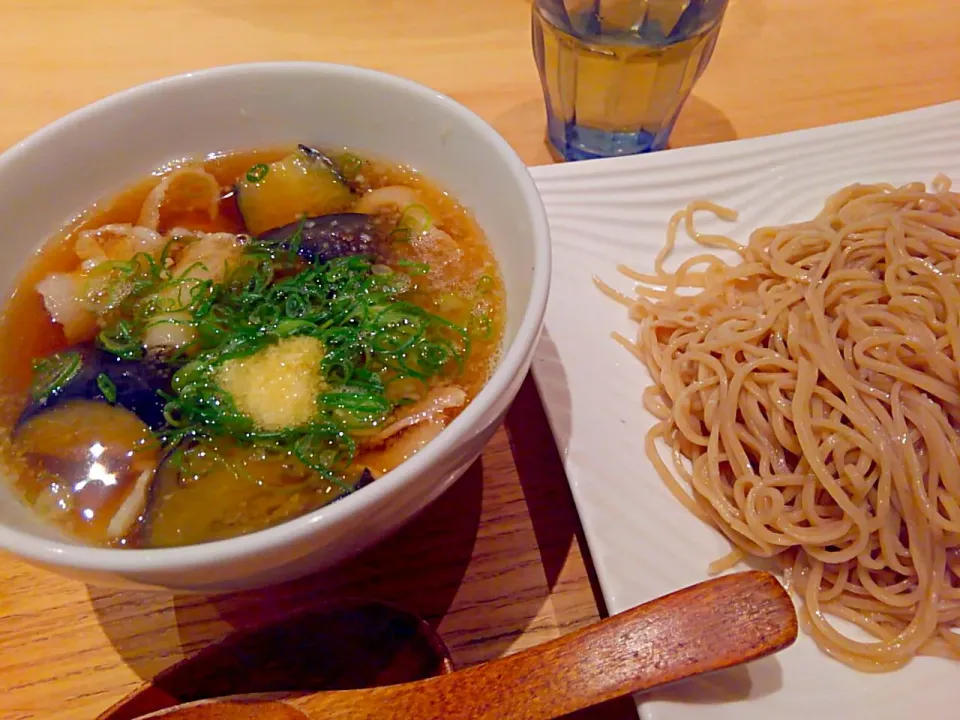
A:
714	625
341	646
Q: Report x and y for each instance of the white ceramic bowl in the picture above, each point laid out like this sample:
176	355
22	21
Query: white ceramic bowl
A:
96	151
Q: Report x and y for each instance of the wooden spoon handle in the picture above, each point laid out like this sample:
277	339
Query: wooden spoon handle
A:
714	625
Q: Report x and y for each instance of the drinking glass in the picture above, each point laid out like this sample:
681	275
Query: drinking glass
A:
616	73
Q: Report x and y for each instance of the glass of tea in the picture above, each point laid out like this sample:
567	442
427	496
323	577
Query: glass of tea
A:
616	73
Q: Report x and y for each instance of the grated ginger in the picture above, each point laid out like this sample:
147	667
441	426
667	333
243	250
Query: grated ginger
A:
276	387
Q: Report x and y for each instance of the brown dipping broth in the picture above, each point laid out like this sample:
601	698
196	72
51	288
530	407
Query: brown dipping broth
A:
472	295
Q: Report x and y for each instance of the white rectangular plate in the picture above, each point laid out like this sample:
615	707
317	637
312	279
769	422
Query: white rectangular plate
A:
643	543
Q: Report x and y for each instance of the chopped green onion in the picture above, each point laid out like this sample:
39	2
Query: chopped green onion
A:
356	409
417	218
121	340
107	387
434	355
400	235
451	305
484	284
482	326
414	268
52	373
405	390
257	173
350	165
286	328
380	349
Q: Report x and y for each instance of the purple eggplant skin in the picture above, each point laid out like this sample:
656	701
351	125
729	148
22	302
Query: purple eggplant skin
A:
366	478
326	237
320	157
136	384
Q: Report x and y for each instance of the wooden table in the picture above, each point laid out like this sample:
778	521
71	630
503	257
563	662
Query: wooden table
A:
496	563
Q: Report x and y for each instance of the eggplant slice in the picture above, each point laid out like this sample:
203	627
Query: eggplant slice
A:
327	237
303	184
212	490
87	372
93	464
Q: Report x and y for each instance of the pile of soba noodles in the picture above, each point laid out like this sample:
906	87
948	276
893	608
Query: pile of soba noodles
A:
810	400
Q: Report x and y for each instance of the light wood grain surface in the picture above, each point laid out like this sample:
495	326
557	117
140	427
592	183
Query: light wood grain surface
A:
496	563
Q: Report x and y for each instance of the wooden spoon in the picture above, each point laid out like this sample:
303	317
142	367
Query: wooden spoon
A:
714	625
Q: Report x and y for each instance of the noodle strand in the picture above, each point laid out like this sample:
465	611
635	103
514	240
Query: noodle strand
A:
809	397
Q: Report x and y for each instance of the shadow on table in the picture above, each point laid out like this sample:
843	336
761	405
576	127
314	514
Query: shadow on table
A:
420	568
539	467
151	631
524	126
545	487
759	679
699	123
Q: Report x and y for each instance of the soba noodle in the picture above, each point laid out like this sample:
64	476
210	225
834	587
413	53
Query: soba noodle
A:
809	396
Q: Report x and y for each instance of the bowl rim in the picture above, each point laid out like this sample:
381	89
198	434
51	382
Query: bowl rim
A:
138	561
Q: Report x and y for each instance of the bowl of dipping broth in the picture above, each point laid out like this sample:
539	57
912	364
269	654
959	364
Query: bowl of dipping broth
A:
255	318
